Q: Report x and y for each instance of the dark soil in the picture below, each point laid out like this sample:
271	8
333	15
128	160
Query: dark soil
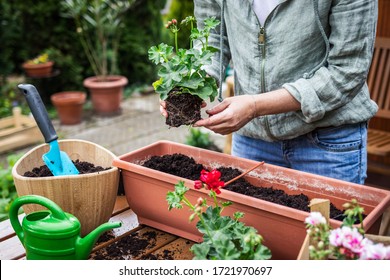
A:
176	164
186	167
183	109
82	166
129	247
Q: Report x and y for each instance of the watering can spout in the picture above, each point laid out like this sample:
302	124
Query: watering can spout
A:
84	244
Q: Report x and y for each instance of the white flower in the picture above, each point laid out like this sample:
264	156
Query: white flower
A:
315	218
347	237
336	237
375	252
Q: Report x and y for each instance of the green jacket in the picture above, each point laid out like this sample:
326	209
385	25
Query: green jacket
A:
319	50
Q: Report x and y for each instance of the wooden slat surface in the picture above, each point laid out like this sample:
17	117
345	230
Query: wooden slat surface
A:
114	244
11	249
120	205
6	230
136	245
179	249
378	142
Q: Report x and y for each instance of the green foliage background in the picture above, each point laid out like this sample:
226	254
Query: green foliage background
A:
28	27
7	186
179	10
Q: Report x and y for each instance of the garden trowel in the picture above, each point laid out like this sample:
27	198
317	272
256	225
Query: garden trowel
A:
57	161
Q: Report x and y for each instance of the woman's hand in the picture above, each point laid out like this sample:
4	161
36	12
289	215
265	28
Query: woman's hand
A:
163	109
230	115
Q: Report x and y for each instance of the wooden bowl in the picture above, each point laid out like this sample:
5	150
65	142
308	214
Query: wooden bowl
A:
89	197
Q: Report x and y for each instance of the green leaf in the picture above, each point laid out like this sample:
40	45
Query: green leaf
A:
180	188
262	253
226	250
160	54
203	92
175	198
171	72
211	23
227	203
191	84
195	34
201	59
200	251
212	49
213	222
174	201
238	215
162	89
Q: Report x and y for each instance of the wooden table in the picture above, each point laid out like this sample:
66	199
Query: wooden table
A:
129	242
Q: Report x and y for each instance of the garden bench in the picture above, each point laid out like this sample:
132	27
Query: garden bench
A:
18	131
378	144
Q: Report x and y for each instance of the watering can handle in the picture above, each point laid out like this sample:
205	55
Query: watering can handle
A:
39	112
56	211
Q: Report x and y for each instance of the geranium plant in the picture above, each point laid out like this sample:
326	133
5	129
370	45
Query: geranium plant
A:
99	25
183	81
345	243
224	237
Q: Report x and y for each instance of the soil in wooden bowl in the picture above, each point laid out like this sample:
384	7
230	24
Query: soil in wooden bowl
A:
186	167
82	166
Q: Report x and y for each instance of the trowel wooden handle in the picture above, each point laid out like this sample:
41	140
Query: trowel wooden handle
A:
39	112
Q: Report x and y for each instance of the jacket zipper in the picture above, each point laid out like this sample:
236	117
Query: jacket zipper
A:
262	46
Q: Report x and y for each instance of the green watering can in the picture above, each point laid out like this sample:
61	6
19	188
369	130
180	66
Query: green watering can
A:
53	234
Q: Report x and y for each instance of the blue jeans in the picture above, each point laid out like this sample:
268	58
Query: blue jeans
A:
336	152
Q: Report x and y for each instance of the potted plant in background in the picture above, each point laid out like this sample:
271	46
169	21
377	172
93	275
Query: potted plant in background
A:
39	66
99	25
69	105
183	83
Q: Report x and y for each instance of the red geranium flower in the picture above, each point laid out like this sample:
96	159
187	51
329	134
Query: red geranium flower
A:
198	184
211	181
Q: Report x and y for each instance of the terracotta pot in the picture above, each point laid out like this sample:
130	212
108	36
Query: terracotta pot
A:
38	70
282	227
89	197
69	105
106	95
